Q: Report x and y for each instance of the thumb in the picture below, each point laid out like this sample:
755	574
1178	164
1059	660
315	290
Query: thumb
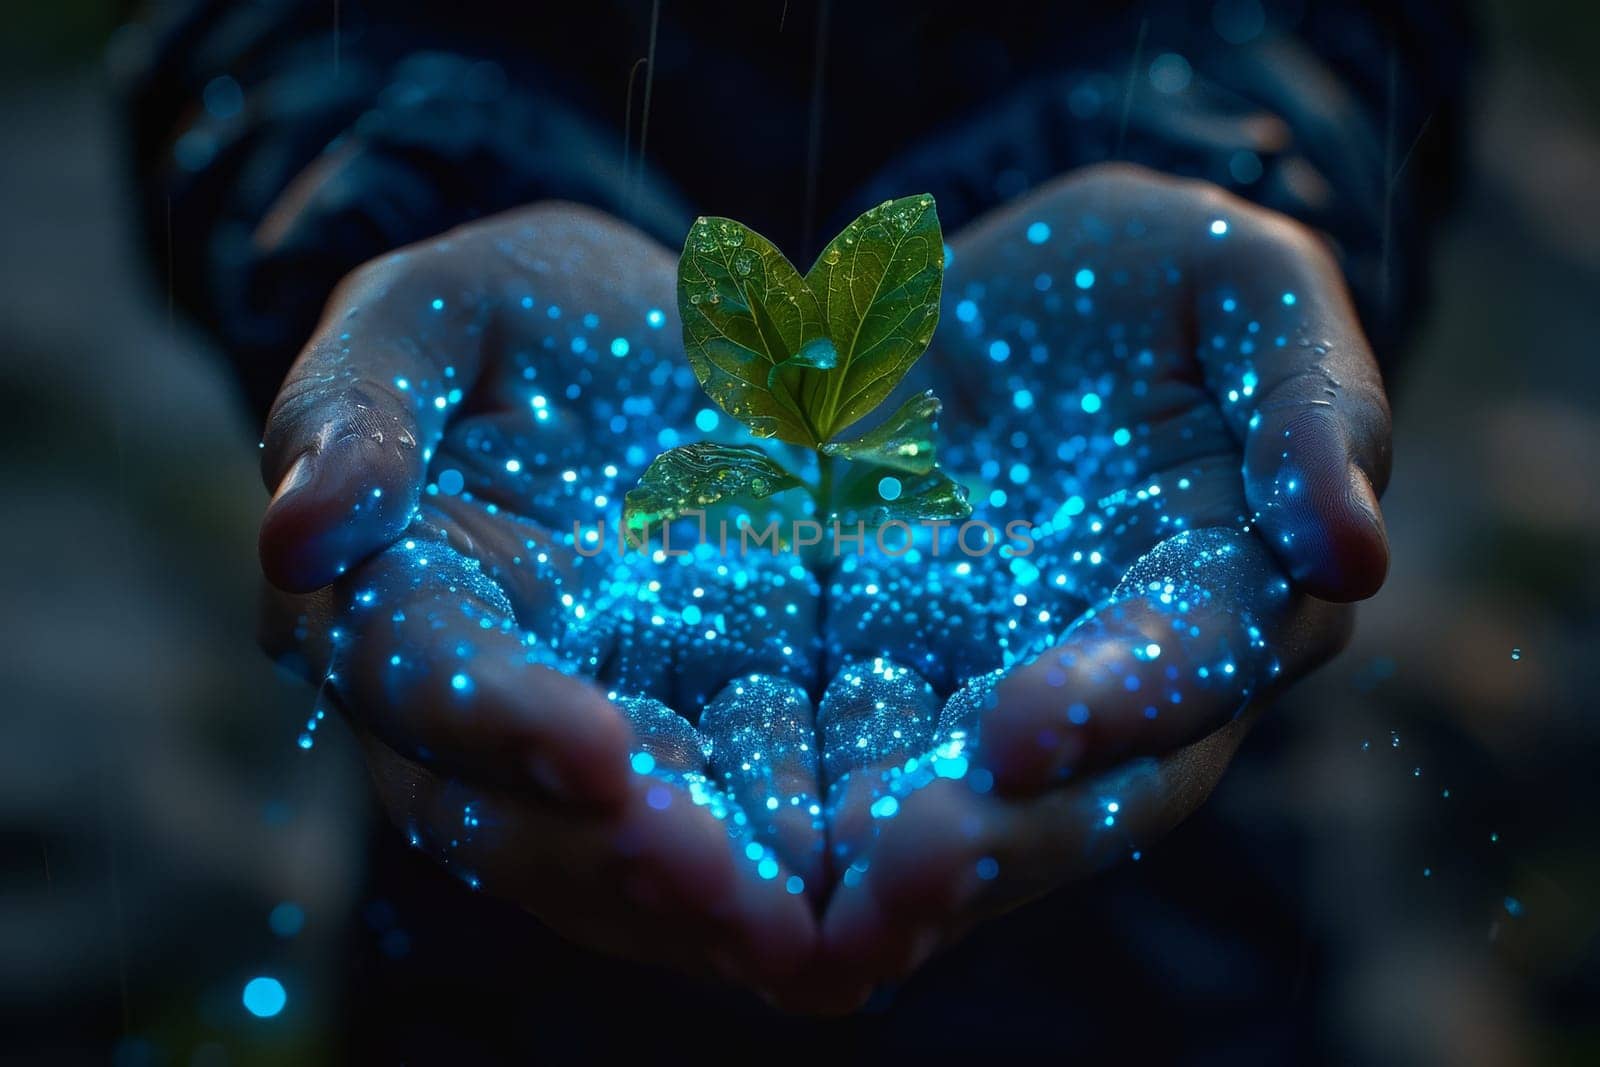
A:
346	444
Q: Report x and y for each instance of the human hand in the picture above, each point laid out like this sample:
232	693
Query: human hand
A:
463	404
1172	385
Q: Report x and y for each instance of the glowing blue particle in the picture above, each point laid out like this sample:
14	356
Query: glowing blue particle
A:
767	868
692	615
619	346
706	420
885	808
1288	300
1019	474
1219	227
795	885
450	481
579	345
287	919
402	384
1121	436
1084	279
527	302
1038	233
1170	73
1513	907
1152	650
655	318
1245	167
438	304
513	466
1078	714
1073	506
1090	402
264	997
889	487
1023	399
642	763
988	868
659	798
999	351
1516	653
967	311
222	97
667	437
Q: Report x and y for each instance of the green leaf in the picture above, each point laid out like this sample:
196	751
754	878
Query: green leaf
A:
746	311
691	477
879	284
876	495
903	441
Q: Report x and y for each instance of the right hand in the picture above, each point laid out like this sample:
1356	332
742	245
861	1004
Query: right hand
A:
460	404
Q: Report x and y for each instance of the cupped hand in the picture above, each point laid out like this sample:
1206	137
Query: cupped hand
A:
443	453
1171	387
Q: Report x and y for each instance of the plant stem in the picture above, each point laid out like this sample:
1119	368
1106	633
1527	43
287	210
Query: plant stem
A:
824	495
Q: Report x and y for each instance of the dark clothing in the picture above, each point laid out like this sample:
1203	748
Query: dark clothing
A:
282	148
288	149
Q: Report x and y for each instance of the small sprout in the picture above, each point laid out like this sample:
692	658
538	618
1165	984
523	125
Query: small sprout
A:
802	359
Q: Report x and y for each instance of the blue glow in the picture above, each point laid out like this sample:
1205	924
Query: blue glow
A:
1038	233
1084	279
643	763
222	97
287	919
460	683
1219	227
655	318
988	868
1023	399
451	481
264	997
967	311
706	420
999	351
1288	299
619	347
1121	436
1090	402
438	304
884	808
889	487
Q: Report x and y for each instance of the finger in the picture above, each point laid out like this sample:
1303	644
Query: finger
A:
347	440
955	856
763	752
874	717
428	655
655	881
1198	627
1285	354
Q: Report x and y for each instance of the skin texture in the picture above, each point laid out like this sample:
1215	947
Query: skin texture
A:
448	634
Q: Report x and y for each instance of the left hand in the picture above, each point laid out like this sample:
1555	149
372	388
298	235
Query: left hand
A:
1172	385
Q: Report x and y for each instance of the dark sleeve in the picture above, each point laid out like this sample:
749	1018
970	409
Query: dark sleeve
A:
275	150
1343	115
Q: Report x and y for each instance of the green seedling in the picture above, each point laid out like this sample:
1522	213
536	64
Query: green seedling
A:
802	359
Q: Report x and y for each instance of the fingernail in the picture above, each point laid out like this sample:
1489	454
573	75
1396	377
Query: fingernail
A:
1363	495
298	474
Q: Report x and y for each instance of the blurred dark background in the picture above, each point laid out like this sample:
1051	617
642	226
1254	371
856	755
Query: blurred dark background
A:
165	839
